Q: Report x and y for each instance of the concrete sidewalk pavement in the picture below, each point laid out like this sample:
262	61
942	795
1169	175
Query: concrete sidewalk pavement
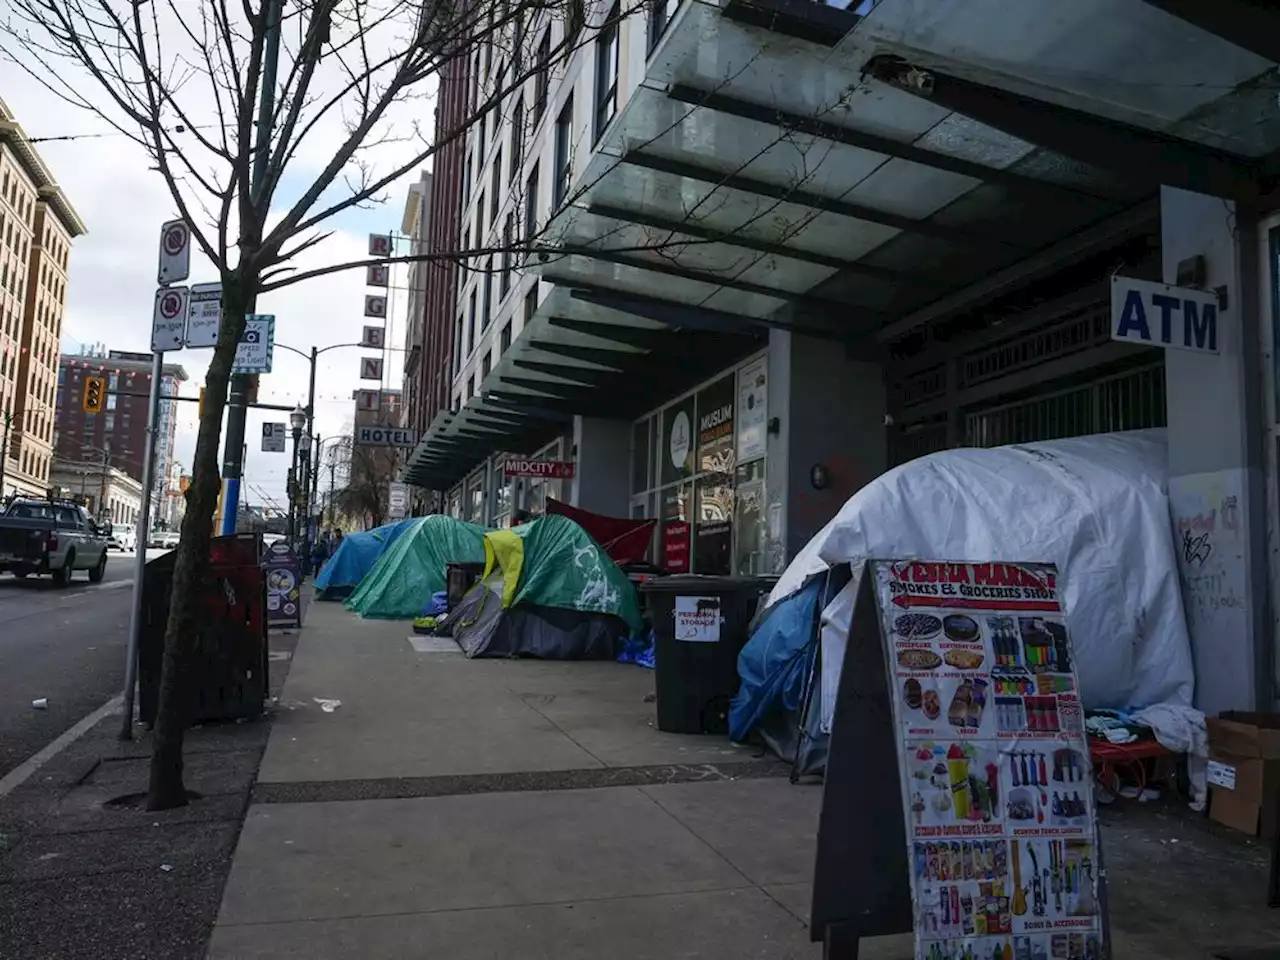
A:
500	808
514	808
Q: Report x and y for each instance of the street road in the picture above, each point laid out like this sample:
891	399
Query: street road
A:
65	645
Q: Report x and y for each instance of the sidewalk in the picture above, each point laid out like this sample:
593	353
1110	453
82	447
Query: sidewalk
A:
498	808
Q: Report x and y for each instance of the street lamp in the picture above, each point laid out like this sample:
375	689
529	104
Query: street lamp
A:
296	421
304	497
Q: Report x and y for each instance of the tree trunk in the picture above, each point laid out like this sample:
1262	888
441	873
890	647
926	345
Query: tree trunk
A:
191	562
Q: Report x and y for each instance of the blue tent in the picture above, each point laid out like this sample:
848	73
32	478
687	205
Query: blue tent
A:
355	557
776	662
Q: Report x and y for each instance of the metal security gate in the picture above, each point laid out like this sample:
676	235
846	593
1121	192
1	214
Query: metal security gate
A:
1133	400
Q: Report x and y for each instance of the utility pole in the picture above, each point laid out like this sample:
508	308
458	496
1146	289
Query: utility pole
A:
4	450
106	469
233	459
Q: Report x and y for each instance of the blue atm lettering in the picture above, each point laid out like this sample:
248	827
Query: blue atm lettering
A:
1199	327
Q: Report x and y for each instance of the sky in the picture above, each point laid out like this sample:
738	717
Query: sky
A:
112	272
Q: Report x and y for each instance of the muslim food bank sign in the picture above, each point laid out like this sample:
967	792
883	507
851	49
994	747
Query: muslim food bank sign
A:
1158	315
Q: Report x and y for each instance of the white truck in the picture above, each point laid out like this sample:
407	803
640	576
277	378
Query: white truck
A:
51	537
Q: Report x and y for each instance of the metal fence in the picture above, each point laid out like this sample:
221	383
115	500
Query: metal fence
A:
1132	400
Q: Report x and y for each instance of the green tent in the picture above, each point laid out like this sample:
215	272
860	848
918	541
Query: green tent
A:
548	591
401	583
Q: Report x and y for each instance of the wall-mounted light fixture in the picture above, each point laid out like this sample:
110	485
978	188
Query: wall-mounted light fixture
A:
819	477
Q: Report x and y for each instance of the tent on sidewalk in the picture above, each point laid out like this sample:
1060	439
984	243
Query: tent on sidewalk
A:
355	557
625	539
548	591
1095	506
401	583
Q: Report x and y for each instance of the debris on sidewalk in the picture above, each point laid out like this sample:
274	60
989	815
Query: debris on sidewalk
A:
328	706
40	703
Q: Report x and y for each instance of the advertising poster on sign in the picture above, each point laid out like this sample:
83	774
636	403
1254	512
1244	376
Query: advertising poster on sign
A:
282	571
993	759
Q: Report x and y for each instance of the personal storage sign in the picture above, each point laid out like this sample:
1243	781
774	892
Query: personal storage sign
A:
1158	315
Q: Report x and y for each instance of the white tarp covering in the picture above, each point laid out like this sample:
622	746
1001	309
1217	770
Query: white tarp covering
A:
1095	506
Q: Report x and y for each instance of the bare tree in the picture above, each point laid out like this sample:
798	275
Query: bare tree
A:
231	102
227	100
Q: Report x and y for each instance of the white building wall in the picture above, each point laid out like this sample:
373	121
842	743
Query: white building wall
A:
576	78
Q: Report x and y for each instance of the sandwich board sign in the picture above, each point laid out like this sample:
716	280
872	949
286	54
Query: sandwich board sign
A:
169	319
175	252
204	315
959	720
1159	315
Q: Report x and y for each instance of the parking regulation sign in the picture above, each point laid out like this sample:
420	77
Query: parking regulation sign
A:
205	314
257	343
169	319
175	252
273	435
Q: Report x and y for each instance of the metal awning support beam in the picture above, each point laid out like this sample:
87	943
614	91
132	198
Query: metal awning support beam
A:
578	375
803	19
535	408
1251	26
671	269
610	359
617	333
863	140
1142	156
805	198
737	239
685	315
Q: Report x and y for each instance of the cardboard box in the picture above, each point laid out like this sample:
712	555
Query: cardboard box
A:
1244	771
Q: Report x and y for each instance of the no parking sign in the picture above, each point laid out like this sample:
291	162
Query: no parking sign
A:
169	319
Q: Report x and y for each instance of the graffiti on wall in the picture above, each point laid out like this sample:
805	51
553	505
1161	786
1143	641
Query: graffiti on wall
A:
1210	541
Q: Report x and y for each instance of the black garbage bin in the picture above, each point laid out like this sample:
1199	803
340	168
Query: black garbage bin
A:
700	626
228	670
460	577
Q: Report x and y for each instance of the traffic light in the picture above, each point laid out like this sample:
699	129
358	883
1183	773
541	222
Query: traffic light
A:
95	394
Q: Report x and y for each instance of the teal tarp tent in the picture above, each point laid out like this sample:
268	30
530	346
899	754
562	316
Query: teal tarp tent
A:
401	583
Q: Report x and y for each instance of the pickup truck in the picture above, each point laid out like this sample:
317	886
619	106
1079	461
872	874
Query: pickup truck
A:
54	537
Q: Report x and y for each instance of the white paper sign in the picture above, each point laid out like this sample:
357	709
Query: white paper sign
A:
1222	775
698	619
169	320
753	411
204	314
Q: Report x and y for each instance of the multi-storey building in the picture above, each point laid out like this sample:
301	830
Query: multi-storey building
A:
781	247
429	350
37	225
414	225
120	430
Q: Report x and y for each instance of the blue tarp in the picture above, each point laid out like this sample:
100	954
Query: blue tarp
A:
355	557
776	660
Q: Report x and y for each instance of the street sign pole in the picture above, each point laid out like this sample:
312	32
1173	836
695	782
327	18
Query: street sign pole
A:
232	462
140	556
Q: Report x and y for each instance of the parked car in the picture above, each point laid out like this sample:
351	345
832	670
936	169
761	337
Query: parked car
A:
53	538
123	536
167	539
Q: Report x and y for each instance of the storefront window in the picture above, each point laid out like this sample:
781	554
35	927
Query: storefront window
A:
715	463
685	470
641	477
502	494
749	520
475	498
677	453
677	528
